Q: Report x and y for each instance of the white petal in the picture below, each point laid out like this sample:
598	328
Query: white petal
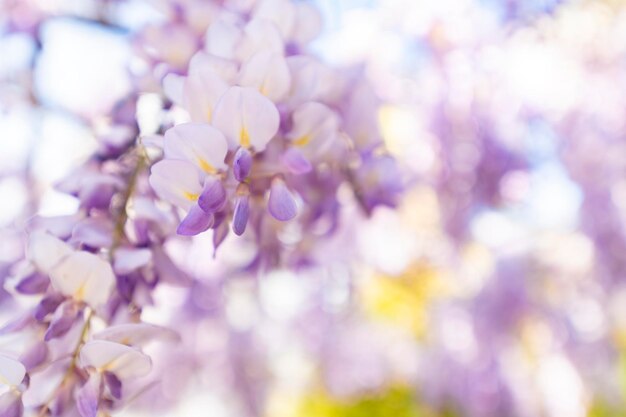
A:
124	361
174	44
280	12
46	251
361	117
201	92
247	118
308	23
85	277
199	143
58	226
137	334
199	14
11	371
240	5
312	81
173	88
176	181
267	72
226	69
315	128
221	39
260	35
128	260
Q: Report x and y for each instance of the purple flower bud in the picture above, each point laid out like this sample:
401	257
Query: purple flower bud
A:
295	162
242	210
34	283
282	204
242	164
114	384
11	405
213	195
196	221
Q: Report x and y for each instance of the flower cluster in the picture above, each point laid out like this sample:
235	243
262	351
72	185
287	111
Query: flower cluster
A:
265	134
271	129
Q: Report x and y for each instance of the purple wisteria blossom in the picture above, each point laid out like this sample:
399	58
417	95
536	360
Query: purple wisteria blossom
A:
252	137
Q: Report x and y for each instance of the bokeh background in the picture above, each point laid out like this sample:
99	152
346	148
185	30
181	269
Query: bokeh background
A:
496	288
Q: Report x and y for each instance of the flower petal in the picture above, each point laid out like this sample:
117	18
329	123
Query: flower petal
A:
260	35
96	232
242	164
246	118
63	320
34	356
241	214
201	92
308	23
226	69
85	277
173	87
137	334
199	143
11	371
267	72
11	404
280	12
48	305
213	195
176	181
315	128
312	81
124	361
196	222
45	250
87	397
126	260
33	283
222	38
282	204
296	162
114	384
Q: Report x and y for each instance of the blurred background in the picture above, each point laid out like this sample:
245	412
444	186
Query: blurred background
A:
496	288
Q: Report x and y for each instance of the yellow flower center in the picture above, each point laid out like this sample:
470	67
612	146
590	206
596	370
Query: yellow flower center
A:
244	137
302	141
206	167
191	196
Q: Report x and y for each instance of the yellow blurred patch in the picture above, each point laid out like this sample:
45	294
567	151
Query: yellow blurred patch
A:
404	299
395	402
602	409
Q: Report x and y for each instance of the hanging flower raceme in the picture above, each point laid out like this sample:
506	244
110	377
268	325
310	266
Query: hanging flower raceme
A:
264	119
253	134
